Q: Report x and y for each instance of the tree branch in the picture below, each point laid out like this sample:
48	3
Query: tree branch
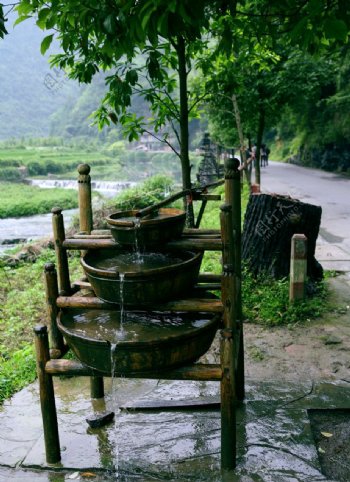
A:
165	141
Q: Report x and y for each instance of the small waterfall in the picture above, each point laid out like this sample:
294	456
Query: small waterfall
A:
108	188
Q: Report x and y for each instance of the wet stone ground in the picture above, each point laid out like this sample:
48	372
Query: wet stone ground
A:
331	431
275	439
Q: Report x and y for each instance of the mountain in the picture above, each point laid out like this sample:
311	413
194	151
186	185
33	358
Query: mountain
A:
30	92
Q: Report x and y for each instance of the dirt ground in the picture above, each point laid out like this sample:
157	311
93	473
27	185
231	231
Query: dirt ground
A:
318	350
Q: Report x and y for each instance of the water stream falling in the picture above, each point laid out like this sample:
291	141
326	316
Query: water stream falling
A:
121	302
137	224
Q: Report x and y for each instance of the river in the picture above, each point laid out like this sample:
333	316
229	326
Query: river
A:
19	230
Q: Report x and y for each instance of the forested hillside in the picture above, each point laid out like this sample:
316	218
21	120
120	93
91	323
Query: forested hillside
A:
35	100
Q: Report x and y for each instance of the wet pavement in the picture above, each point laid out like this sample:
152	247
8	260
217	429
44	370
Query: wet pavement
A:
275	441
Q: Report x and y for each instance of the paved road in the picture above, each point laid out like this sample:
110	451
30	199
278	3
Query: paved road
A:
331	192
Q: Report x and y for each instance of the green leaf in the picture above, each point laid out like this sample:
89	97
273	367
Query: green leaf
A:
109	24
21	19
335	29
24	8
45	44
44	13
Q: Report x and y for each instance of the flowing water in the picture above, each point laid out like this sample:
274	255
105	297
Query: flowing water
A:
137	224
20	230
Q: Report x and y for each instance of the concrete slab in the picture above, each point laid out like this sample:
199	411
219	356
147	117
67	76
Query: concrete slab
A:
274	435
332	256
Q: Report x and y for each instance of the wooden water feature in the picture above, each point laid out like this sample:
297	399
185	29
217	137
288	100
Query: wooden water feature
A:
163	353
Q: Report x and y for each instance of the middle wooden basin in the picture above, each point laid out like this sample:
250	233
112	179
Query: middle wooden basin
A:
136	342
131	278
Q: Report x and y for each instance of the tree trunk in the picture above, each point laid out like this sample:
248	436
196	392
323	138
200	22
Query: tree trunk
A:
184	135
259	138
270	222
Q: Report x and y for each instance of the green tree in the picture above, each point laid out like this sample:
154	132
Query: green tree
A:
142	45
257	48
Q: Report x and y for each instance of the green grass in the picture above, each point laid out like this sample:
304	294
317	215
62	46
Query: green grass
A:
266	301
17	199
22	301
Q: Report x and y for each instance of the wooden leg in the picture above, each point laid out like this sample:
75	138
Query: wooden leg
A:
97	387
228	403
240	389
47	397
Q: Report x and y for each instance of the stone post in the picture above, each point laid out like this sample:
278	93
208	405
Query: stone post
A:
298	267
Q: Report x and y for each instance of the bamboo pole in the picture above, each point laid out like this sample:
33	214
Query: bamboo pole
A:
85	206
229	333
149	209
61	253
199	244
51	290
47	397
193	305
233	197
197	371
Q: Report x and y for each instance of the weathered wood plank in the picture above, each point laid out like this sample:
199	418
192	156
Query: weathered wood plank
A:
197	371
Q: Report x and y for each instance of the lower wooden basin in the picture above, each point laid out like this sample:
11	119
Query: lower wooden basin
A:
142	342
129	278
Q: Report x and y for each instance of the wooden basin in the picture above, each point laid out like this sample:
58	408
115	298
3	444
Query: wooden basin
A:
143	342
149	232
129	278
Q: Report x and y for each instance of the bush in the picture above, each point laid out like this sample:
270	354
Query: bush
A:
149	192
36	169
10	174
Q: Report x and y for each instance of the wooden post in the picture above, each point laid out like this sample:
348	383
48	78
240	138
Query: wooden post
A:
228	403
228	343
51	289
298	267
233	198
47	397
61	253
97	387
85	206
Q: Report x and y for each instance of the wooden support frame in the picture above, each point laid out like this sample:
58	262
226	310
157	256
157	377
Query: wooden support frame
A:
230	371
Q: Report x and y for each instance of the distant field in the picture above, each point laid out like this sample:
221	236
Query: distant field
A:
112	164
17	199
42	161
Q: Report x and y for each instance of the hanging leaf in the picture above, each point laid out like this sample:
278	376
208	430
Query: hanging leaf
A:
45	44
327	434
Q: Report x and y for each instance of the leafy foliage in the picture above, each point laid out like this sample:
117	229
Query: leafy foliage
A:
266	301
